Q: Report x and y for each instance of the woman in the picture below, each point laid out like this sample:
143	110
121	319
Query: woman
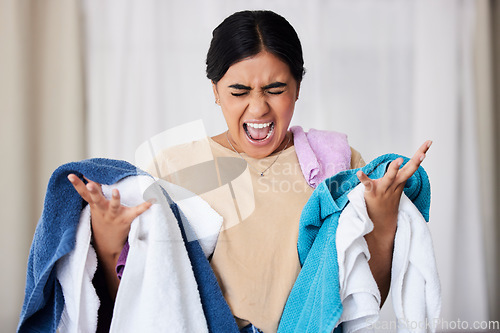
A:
255	65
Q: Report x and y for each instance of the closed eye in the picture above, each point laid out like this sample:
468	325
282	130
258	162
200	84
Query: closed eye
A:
276	92
239	94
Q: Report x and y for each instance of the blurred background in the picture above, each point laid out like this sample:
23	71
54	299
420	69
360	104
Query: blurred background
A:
93	78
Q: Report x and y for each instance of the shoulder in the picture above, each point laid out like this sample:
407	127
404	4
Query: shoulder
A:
338	144
356	159
175	158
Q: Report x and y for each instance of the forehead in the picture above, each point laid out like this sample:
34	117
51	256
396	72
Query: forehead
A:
262	68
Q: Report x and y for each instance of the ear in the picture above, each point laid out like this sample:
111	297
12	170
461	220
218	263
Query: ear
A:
216	93
298	91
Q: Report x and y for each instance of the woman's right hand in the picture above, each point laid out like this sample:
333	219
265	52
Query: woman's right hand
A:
110	224
110	219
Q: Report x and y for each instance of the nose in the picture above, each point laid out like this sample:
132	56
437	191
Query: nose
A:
258	106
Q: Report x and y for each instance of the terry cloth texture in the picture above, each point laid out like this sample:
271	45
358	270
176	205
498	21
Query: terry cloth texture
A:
321	153
55	237
158	288
415	287
217	313
314	303
83	284
359	292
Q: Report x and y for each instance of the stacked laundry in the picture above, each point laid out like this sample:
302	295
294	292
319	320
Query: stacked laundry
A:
335	285
167	284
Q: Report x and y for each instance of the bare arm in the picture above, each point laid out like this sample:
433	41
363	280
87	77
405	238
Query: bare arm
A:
382	198
110	226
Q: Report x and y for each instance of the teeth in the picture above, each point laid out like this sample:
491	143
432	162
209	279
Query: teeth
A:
270	132
259	125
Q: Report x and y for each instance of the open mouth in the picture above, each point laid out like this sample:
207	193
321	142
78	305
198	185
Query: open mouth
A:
259	132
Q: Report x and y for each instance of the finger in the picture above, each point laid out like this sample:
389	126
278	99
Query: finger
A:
409	168
88	180
138	210
390	175
79	187
96	194
425	146
98	190
365	180
115	201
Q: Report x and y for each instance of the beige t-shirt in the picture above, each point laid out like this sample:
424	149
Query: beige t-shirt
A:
255	259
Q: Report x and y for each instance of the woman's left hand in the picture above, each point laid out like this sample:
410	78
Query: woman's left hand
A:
382	195
382	198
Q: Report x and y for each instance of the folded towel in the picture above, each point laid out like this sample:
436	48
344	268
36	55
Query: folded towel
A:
321	154
55	237
314	304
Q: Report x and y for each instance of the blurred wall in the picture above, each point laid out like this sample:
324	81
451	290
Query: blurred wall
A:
495	38
42	125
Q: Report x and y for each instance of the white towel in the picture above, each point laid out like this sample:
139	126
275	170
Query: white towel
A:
415	288
158	291
358	290
75	272
202	222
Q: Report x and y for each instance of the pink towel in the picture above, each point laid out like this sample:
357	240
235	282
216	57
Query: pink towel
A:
321	154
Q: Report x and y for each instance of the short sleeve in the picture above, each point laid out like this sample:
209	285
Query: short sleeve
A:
356	159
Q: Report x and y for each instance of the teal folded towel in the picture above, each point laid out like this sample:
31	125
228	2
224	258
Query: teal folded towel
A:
314	303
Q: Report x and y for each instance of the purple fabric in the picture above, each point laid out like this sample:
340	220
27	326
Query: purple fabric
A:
122	259
321	154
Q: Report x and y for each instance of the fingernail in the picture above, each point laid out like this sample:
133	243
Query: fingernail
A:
90	187
115	193
71	179
422	157
399	162
429	144
152	201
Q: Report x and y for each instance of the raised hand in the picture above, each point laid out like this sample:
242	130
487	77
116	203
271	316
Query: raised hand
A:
382	195
110	224
382	198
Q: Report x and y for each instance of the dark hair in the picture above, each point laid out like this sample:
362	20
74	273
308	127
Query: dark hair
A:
245	34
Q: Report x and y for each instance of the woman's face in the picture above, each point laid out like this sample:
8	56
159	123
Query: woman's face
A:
257	96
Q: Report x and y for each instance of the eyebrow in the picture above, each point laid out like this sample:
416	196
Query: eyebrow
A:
269	86
240	87
274	85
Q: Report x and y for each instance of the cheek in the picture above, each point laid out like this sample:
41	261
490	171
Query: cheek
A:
284	108
232	114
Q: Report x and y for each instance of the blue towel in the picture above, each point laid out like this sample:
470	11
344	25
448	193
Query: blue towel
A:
55	237
314	303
